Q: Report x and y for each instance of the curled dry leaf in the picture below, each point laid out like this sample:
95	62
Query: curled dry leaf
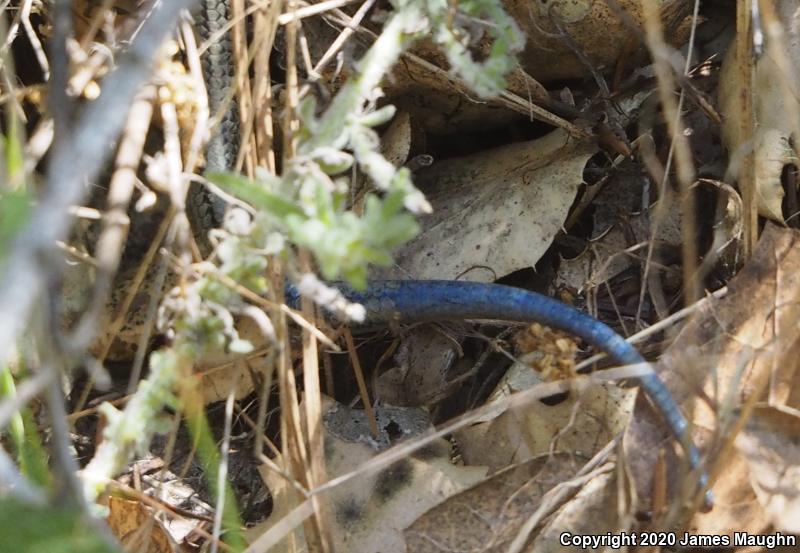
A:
396	141
776	107
422	85
730	352
593	511
443	104
556	29
422	366
496	210
607	255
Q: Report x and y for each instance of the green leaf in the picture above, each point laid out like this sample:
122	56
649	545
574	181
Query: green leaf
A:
26	528
378	117
333	161
24	435
254	194
15	207
15	158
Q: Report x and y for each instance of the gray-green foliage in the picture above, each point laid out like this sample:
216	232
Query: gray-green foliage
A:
307	206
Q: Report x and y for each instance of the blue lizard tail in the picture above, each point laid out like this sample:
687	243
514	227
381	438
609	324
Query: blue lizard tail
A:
410	301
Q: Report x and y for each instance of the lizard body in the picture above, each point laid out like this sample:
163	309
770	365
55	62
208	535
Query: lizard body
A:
418	300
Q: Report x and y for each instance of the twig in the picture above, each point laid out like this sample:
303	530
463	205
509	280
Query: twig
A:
362	385
746	177
277	532
659	214
342	38
312	9
36	44
684	164
555	497
506	98
659	326
222	476
61	105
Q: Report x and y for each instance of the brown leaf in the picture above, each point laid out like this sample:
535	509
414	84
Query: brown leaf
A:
559	27
136	528
583	424
488	516
396	141
771	450
728	352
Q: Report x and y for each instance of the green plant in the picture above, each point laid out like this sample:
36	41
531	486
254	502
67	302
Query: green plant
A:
307	207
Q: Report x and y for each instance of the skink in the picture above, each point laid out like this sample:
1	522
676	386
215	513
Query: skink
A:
416	301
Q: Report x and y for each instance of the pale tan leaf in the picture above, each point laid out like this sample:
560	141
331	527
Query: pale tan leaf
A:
771	450
498	210
488	516
370	512
583	423
776	98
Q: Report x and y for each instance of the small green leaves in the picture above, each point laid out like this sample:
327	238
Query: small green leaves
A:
485	78
254	194
378	117
333	161
309	208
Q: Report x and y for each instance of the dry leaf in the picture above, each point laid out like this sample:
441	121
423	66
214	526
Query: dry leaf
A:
423	364
582	424
396	141
606	256
592	27
736	508
771	450
370	513
498	210
591	512
488	516
443	105
776	102
136	528
729	350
